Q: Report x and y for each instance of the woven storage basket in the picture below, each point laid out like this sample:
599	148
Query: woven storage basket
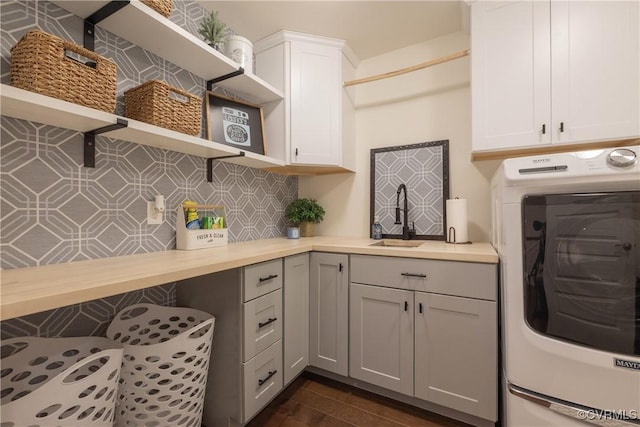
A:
163	7
165	365
159	104
39	64
59	381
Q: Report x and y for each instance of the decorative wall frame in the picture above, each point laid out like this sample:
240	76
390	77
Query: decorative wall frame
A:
424	169
235	123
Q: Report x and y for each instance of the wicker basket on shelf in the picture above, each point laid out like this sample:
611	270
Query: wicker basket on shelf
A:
163	7
159	104
41	62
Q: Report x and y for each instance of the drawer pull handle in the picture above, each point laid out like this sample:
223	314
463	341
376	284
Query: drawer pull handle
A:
406	306
271	373
340	267
420	307
269	277
268	322
414	275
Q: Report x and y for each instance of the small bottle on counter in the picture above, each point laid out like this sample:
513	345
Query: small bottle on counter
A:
376	228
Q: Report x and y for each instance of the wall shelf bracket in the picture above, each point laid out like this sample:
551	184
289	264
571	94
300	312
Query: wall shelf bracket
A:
100	14
90	141
211	82
210	164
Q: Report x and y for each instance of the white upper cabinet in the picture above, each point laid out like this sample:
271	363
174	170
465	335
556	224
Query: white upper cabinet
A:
307	128
554	72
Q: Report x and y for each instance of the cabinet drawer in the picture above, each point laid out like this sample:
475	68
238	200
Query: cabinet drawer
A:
466	279
262	323
262	278
262	377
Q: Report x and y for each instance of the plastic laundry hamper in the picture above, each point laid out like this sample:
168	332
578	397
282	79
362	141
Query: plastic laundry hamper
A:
65	382
165	364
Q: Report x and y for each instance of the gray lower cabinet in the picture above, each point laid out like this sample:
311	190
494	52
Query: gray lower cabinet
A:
328	312
381	337
427	329
245	370
455	353
296	315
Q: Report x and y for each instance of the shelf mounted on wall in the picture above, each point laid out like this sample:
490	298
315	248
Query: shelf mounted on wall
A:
210	163
90	141
211	82
103	13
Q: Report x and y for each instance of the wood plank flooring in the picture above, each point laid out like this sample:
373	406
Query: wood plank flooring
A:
312	400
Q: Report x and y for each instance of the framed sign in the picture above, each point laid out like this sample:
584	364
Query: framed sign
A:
424	170
235	123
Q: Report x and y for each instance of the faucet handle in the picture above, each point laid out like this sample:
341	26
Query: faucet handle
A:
412	230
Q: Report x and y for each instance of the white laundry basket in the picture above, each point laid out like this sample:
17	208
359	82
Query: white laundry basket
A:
59	381
165	364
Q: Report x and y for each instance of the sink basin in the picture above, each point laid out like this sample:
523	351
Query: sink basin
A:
398	243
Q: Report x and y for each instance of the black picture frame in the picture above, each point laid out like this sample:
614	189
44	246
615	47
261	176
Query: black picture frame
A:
407	173
234	123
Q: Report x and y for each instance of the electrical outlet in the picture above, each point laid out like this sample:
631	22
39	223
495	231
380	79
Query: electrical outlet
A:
153	217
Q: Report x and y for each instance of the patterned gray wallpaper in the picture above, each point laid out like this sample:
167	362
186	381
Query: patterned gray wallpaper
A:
53	210
423	168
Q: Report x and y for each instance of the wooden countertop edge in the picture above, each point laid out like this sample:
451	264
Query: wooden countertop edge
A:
31	290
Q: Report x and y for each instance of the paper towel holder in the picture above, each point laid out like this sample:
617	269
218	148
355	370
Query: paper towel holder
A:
452	231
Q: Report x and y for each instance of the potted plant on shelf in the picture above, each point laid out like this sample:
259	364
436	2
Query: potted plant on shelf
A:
305	213
213	31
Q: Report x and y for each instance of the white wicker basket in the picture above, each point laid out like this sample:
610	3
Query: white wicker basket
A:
165	364
59	381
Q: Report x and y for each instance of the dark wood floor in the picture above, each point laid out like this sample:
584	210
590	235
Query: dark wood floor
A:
315	401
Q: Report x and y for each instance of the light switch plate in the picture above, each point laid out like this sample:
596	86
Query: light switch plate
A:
153	217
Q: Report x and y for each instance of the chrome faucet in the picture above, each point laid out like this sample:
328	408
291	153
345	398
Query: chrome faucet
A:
407	233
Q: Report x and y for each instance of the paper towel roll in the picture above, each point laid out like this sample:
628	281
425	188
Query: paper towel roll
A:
457	219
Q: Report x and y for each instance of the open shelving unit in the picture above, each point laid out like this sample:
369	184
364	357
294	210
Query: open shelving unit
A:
22	104
144	27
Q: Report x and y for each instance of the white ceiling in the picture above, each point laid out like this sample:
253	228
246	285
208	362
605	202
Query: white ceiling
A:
370	28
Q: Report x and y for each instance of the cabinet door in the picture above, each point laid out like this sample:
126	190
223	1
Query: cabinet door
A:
316	129
595	77
510	62
456	353
296	315
381	343
328	312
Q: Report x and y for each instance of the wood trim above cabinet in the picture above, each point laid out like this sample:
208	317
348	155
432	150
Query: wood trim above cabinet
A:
296	170
549	149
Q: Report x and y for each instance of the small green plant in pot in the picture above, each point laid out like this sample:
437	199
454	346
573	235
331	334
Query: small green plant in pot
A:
213	31
305	213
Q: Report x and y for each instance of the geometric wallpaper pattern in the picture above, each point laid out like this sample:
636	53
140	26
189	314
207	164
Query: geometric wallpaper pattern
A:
54	210
424	172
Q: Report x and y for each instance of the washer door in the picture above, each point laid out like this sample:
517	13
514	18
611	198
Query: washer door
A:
582	269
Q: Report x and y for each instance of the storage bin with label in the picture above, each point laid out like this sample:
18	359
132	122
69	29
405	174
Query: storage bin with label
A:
159	104
51	66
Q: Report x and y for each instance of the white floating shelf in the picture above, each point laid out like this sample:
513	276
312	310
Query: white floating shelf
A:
25	105
146	28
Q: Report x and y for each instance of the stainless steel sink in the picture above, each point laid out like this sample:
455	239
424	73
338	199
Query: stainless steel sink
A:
398	243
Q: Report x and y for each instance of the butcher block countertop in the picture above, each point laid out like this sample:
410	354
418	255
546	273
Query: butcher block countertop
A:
34	289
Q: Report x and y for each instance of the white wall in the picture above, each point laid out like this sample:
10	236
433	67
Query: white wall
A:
428	105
